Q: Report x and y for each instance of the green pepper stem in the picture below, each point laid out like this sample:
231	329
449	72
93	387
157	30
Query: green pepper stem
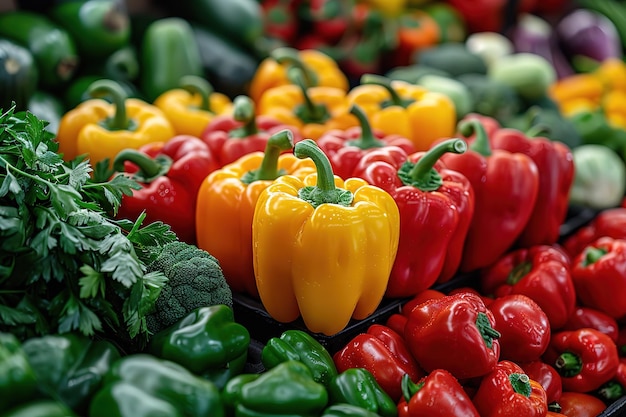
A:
520	384
309	112
593	255
325	190
481	142
149	168
291	58
367	140
277	143
487	332
568	364
383	82
611	391
112	89
423	174
409	388
198	85
244	112
519	271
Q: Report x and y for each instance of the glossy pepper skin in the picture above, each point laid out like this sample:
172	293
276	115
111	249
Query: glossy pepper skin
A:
235	188
432	201
438	394
609	222
384	353
323	247
357	386
599	276
319	70
614	389
585	358
170	174
231	136
141	385
40	408
505	185
285	390
70	367
508	391
555	163
547	376
595	319
345	148
101	129
456	333
294	344
18	381
542	273
347	410
313	110
397	107
192	106
580	404
208	342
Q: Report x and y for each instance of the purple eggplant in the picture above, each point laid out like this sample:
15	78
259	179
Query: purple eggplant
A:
588	37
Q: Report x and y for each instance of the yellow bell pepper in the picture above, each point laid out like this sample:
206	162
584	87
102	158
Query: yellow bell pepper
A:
577	92
226	201
391	8
101	130
323	248
319	70
313	110
192	107
409	110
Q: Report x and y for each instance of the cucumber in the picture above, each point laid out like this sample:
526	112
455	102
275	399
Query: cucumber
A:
18	75
52	47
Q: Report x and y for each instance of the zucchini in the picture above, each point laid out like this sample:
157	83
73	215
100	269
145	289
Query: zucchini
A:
52	47
18	75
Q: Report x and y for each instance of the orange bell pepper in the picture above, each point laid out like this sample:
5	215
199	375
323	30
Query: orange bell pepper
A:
313	110
412	111
226	202
191	107
319	70
101	130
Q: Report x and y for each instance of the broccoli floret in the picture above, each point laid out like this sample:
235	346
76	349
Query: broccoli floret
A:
195	279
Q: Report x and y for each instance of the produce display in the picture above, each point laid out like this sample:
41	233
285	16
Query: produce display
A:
320	208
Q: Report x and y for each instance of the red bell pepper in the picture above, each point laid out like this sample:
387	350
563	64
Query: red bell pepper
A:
524	328
416	30
456	333
585	358
329	19
345	148
230	137
599	275
555	163
397	320
547	376
438	394
486	299
505	185
170	174
280	19
384	353
610	222
541	273
508	391
592	318
433	201
579	404
481	15
616	387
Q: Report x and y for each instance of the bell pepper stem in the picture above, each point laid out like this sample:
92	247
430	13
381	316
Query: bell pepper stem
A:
149	168
423	174
367	140
409	388
481	142
520	384
395	99
308	112
111	89
244	112
568	364
325	191
519	271
198	85
484	326
593	255
277	143
612	391
290	57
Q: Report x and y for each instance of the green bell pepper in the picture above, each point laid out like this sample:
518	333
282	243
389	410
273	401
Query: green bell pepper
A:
40	408
287	390
347	410
595	129
142	385
207	342
358	387
549	123
18	382
70	367
300	346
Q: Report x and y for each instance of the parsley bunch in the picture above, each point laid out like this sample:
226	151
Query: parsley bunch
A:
65	263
